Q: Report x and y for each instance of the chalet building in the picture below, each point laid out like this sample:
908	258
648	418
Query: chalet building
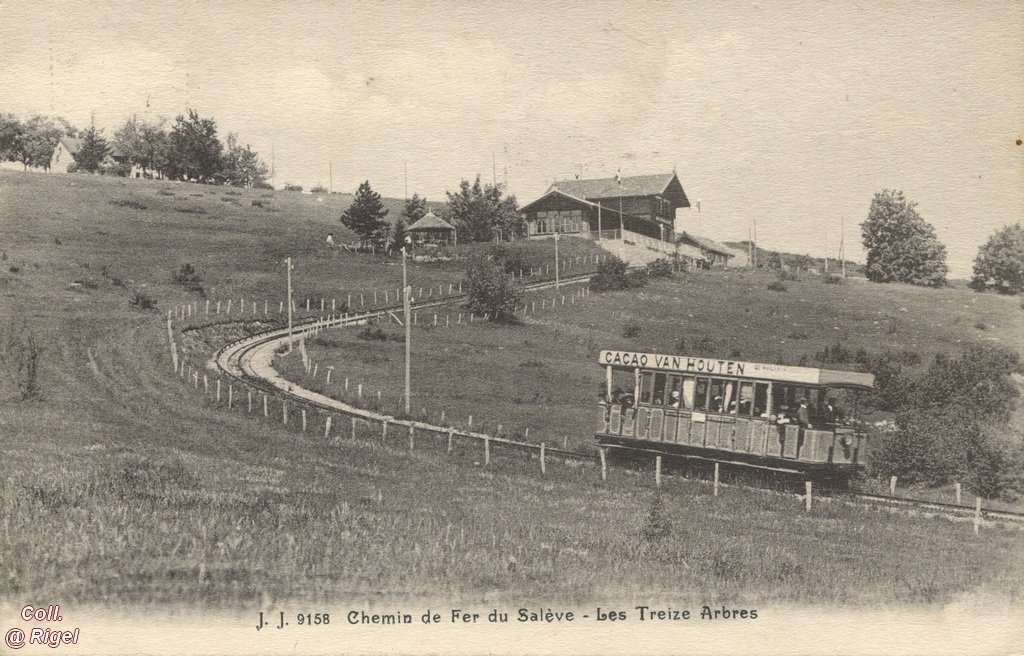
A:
711	252
643	204
67	147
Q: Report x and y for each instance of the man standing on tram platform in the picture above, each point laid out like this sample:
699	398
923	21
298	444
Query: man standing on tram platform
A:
803	415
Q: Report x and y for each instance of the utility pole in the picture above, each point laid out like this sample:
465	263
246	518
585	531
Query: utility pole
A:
755	242
598	220
557	284
330	177
406	306
842	243
288	266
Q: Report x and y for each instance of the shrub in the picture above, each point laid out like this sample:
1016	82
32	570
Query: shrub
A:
836	353
491	291
613	274
631	329
951	424
834	280
291	187
372	333
188	278
257	203
658	523
319	189
512	260
660	268
143	302
788	275
776	286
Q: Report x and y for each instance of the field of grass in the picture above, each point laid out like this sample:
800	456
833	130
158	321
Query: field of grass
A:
120	486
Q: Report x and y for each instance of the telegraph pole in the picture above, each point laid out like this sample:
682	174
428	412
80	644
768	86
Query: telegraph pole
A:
406	306
842	243
288	266
557	284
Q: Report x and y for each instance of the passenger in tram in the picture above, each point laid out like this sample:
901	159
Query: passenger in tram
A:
803	415
831	413
674	399
716	403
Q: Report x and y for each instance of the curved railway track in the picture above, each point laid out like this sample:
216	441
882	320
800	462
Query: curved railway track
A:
250	360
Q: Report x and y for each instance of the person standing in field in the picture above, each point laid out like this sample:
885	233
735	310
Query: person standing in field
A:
330	240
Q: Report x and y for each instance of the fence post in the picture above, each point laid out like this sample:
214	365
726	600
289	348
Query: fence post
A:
316	366
218	390
284	412
808	495
977	514
543	466
218	307
231	395
956	490
303	420
384	432
250	400
327	426
227	310
359	392
266	410
412	437
353	428
487	450
716	479
470	422
451	434
604	463
329	370
892	486
657	471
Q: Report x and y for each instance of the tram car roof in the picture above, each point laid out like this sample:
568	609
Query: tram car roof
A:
692	365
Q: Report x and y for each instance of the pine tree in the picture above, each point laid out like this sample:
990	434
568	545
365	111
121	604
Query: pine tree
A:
365	216
93	151
415	208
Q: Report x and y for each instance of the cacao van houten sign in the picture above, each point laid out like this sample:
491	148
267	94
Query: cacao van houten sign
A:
710	366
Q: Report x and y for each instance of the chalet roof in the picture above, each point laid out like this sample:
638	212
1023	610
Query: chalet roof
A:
74	144
636	185
705	243
575	199
430	221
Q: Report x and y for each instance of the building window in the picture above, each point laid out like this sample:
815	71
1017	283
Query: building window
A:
552	221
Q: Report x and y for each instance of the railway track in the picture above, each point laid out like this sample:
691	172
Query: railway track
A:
250	360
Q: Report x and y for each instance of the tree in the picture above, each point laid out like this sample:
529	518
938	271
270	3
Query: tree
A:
491	291
365	216
901	246
479	212
33	141
193	149
398	235
92	151
242	166
415	208
143	143
1000	262
10	136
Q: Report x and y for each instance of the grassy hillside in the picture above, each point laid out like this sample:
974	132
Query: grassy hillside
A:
143	494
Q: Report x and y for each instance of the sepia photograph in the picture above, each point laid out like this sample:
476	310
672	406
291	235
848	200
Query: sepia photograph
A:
334	327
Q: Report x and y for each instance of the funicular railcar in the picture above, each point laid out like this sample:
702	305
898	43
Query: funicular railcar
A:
777	417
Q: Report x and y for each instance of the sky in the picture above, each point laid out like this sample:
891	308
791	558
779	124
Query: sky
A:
788	114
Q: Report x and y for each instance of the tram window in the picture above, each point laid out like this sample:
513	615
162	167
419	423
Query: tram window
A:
700	394
673	399
659	389
760	399
719	389
746	399
646	383
688	388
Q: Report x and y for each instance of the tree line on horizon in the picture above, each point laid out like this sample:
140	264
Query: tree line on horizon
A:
188	150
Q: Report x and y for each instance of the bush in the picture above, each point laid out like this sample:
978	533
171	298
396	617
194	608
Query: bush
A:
143	302
613	274
776	286
834	280
188	278
834	353
512	260
787	275
319	189
951	424
372	333
660	268
631	329
291	187
490	290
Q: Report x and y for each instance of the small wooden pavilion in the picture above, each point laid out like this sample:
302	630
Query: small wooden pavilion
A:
432	229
